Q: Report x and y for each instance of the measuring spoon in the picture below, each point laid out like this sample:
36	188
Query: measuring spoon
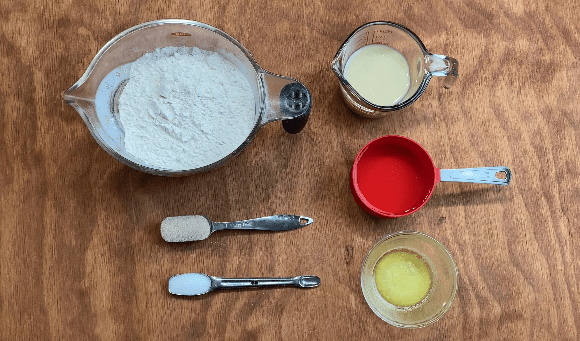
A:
193	284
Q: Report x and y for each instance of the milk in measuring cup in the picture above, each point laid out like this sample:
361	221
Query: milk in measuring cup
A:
379	73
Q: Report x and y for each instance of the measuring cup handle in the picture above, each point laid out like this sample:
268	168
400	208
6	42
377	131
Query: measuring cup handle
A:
286	99
483	175
440	65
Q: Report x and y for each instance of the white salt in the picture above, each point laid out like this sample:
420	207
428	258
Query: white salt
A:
189	284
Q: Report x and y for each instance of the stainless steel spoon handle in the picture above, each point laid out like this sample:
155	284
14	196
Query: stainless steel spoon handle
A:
483	175
271	223
237	283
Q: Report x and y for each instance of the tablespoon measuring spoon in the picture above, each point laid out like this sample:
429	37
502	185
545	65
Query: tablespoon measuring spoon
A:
193	284
198	227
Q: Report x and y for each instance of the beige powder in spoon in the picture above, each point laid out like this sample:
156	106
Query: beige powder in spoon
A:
185	228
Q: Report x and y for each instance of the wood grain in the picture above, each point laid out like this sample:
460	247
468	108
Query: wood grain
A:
81	257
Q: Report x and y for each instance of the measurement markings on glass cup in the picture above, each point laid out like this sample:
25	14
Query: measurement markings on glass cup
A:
380	36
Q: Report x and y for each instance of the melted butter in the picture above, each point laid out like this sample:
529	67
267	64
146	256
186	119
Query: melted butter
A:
402	278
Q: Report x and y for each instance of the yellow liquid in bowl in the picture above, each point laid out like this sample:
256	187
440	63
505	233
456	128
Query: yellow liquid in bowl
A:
402	278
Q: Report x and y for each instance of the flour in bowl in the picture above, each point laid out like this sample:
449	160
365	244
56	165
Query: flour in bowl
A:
185	108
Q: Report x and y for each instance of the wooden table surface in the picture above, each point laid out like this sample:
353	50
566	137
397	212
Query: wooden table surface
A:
81	256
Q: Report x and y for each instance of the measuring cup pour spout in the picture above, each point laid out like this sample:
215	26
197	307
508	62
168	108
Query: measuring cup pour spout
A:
287	100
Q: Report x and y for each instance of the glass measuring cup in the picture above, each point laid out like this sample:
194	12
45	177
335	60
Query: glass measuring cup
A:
95	95
422	65
393	176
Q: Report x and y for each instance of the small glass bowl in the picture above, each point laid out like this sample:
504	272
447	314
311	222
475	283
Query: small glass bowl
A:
443	280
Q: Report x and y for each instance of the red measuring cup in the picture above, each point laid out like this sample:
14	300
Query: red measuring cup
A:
393	176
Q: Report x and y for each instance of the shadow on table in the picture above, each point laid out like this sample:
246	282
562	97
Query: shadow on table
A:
222	291
475	196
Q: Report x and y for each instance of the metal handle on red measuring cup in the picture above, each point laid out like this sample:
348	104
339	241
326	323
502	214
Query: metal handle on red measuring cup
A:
286	99
482	175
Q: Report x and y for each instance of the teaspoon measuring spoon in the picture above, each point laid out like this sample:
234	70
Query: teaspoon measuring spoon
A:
198	227
193	284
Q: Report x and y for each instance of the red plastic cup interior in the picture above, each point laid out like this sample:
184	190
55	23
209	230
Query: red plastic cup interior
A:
392	176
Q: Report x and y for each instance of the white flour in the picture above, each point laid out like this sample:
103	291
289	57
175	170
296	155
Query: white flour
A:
184	108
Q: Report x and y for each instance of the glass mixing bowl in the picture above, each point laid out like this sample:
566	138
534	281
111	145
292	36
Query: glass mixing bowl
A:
95	95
